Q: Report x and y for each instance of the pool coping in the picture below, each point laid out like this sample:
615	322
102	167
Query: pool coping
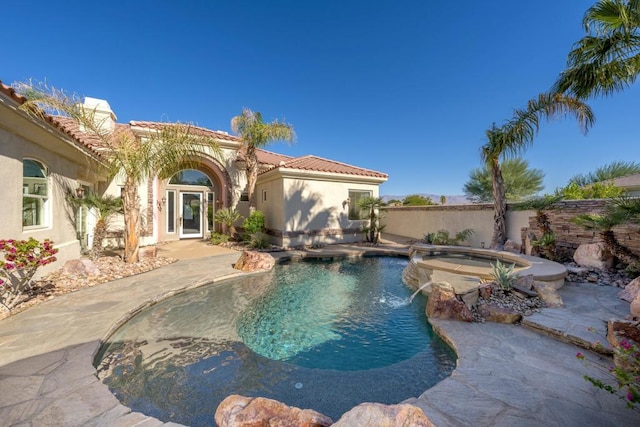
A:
541	269
47	352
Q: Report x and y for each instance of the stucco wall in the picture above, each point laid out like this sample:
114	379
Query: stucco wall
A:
310	210
21	138
417	221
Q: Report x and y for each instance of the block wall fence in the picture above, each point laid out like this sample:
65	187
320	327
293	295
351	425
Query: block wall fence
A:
416	221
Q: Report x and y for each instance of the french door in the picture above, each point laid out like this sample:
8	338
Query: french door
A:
191	214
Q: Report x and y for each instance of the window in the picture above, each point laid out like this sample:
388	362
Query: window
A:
171	211
355	213
190	177
35	194
264	196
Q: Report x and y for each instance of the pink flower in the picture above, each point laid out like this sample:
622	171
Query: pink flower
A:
580	356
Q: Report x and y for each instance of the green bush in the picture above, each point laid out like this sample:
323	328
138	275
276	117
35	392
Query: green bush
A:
218	238
259	241
441	237
253	224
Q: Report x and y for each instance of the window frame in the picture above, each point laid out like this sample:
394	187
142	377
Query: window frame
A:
354	197
41	201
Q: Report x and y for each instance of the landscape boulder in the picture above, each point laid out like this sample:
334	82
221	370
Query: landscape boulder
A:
594	255
415	276
548	294
634	308
444	304
80	267
254	260
240	411
630	291
493	313
379	415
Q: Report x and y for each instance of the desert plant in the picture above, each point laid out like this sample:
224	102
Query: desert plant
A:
22	258
228	218
373	229
442	237
259	241
546	244
218	238
503	275
253	224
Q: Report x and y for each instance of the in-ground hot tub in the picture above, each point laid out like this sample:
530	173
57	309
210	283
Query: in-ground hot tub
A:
465	266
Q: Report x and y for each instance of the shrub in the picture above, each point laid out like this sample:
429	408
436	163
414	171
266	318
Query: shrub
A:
218	238
253	224
228	217
259	241
22	258
633	269
503	275
441	237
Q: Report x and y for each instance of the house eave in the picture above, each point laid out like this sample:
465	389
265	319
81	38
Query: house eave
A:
281	172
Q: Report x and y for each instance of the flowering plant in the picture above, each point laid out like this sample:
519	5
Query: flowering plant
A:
626	371
21	260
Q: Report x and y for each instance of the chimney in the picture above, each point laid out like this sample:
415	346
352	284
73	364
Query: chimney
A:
103	116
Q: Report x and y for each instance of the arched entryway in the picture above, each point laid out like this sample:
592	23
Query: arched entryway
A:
191	199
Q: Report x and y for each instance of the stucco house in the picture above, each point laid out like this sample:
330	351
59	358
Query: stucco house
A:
306	200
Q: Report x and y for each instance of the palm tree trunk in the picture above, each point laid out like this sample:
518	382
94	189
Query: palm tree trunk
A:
499	207
131	203
617	249
252	177
99	233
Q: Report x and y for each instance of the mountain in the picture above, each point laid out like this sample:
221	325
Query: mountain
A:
451	199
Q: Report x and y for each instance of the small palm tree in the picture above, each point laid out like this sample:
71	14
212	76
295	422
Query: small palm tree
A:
604	223
255	134
228	218
105	208
373	229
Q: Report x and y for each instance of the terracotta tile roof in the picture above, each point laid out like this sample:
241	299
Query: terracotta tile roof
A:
319	164
63	124
197	130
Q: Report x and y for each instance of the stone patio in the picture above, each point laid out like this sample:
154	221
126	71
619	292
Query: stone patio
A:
506	375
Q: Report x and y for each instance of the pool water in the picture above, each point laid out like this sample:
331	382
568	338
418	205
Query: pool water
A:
324	335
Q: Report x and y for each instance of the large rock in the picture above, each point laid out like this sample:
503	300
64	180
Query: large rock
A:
548	294
379	415
147	252
80	267
593	255
253	260
415	276
443	304
496	314
630	291
240	411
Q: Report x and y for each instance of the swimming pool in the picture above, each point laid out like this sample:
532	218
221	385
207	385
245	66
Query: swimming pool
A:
320	335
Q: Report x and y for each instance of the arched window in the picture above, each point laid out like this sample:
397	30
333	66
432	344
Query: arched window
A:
35	193
190	177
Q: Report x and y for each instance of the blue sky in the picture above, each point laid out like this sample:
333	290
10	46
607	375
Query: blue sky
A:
405	87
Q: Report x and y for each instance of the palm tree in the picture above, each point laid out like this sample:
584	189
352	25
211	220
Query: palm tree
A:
256	134
373	229
520	182
104	208
514	136
604	223
228	217
607	58
161	152
607	172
